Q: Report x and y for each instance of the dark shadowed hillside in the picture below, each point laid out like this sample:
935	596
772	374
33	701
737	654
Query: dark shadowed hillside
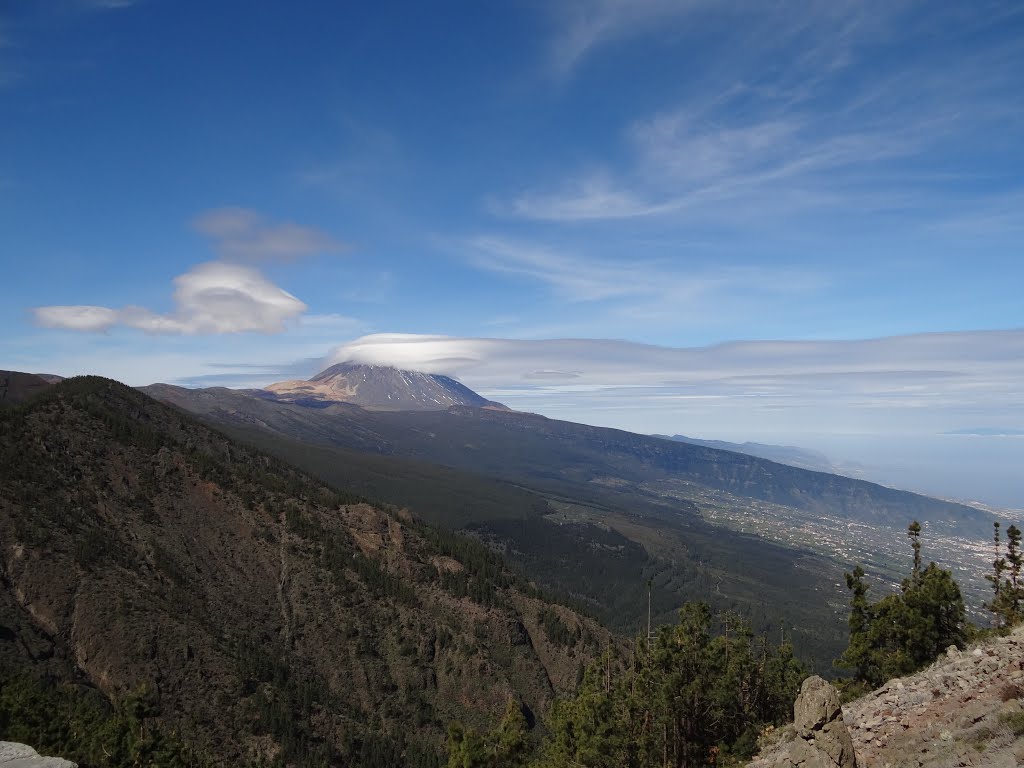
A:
256	611
16	387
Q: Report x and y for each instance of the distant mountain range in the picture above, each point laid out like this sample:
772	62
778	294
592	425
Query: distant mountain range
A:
377	388
783	454
473	435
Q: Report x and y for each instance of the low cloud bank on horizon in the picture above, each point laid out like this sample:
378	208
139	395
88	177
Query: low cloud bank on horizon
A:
924	383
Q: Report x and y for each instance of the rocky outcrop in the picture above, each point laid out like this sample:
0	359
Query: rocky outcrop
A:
821	737
967	709
14	755
824	741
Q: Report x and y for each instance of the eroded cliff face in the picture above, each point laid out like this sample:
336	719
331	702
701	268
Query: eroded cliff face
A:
967	709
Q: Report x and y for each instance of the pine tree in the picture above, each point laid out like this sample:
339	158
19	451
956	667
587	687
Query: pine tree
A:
1014	560
936	615
586	729
511	742
859	655
694	696
507	746
914	532
903	632
465	747
1007	585
996	578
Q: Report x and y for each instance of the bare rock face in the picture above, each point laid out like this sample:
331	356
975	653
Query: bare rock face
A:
823	739
14	755
816	706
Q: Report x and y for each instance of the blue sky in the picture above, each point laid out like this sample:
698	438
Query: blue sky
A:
791	222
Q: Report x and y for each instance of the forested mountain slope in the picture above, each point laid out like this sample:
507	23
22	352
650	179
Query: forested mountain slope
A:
584	536
597	512
256	611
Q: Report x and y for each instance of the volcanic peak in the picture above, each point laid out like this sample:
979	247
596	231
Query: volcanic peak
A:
380	388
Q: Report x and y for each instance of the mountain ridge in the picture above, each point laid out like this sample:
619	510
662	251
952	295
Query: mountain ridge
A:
16	386
793	455
457	431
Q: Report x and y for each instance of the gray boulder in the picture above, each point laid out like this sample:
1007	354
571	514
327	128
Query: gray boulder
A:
823	740
14	755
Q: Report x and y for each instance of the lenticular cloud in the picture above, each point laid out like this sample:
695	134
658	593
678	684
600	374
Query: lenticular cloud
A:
210	298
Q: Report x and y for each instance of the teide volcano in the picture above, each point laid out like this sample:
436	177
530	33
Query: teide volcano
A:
378	388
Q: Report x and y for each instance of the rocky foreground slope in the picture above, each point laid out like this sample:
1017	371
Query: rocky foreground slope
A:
964	710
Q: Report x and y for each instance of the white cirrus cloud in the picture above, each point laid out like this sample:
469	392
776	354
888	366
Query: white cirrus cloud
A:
687	164
790	115
584	25
641	288
240	234
211	298
827	31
